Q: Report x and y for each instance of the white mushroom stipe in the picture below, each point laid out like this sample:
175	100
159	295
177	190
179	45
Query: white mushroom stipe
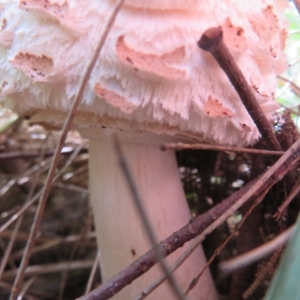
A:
151	82
121	237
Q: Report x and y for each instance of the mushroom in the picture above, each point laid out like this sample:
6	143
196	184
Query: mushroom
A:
150	85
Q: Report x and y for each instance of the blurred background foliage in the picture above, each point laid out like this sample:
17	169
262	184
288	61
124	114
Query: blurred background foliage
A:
288	91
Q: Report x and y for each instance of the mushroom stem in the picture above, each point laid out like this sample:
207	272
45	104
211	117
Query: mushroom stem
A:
120	234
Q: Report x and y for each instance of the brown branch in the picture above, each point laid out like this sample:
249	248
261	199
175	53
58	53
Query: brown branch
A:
181	146
212	41
199	224
293	86
297	4
32	154
93	273
50	268
196	242
257	253
295	191
220	248
169	245
51	174
267	269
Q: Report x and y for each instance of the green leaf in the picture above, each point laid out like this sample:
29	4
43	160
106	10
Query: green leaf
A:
286	282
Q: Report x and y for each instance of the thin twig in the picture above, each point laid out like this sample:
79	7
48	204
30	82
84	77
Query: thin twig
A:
71	187
23	236
9	247
11	262
144	218
26	287
268	268
190	249
8	287
39	167
256	254
57	242
212	41
56	157
50	268
14	233
93	273
21	211
293	86
75	247
31	154
19	222
220	248
75	172
297	4
203	224
288	200
181	146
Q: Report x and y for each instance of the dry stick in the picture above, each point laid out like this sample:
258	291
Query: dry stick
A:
26	287
258	199
5	286
71	187
256	254
76	172
15	231
18	224
216	253
289	84
292	85
58	242
181	146
93	273
220	248
37	293
268	268
9	247
51	268
21	211
196	242
39	167
212	41
204	224
297	4
29	196
288	200
31	154
226	61
22	236
86	227
137	200
11	262
51	173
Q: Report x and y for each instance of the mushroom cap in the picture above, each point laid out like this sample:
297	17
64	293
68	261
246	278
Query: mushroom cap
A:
151	76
